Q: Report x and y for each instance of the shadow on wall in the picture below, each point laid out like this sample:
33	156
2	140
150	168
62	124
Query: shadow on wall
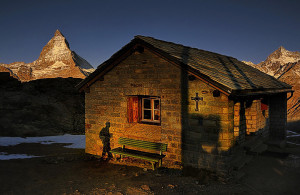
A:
201	140
200	133
105	136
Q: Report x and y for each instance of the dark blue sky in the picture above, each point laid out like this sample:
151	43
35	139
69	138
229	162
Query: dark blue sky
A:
247	30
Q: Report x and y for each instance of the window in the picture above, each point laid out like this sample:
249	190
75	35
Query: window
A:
143	109
151	109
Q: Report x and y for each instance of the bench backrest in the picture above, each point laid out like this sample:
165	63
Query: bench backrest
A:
143	144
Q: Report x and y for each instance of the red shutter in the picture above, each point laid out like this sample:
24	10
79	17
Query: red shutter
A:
264	106
133	109
129	110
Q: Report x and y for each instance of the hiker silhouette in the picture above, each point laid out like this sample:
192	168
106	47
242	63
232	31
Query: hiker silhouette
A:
105	138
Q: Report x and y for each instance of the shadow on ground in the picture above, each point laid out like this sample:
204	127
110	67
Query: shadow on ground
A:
70	171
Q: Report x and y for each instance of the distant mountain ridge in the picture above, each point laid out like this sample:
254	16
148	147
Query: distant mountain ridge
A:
276	63
285	66
55	60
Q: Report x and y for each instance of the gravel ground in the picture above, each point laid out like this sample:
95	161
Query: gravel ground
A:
61	170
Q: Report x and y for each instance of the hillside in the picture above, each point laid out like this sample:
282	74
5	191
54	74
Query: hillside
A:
40	107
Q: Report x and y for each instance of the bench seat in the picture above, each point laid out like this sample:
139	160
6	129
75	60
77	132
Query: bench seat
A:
138	154
152	157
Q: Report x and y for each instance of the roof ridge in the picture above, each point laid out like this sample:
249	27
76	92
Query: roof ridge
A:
138	36
225	72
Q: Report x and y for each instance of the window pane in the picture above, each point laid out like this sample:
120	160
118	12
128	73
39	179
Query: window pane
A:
156	115
156	104
147	103
147	114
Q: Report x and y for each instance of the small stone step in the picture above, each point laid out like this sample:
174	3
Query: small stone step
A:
250	146
276	149
241	162
259	149
277	143
236	161
237	175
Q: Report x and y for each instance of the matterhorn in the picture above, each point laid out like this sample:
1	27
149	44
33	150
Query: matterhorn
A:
55	60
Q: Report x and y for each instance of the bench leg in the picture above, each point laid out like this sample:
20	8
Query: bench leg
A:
160	163
153	165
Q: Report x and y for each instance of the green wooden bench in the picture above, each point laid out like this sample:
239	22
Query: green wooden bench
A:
152	157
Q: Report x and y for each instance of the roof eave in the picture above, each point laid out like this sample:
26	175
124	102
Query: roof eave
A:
88	81
257	92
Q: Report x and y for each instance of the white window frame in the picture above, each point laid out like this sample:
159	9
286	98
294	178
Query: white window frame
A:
152	99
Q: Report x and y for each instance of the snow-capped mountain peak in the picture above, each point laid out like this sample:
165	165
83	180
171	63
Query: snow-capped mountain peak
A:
276	63
285	66
57	49
282	56
58	33
55	60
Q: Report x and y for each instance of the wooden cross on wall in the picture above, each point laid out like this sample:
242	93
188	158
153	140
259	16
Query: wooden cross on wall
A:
197	99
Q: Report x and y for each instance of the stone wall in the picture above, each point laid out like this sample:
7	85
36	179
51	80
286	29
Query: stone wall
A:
208	134
194	138
239	122
139	74
256	119
250	119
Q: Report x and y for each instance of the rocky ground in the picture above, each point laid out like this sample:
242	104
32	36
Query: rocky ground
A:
62	170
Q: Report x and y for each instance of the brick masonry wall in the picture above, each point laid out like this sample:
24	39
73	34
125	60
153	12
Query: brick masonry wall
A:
256	119
239	122
194	138
250	119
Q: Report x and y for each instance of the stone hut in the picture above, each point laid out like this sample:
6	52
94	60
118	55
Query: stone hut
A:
204	105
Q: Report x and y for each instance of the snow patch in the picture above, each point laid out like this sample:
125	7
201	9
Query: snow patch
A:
58	49
293	143
6	156
291	132
285	60
88	70
57	66
76	141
